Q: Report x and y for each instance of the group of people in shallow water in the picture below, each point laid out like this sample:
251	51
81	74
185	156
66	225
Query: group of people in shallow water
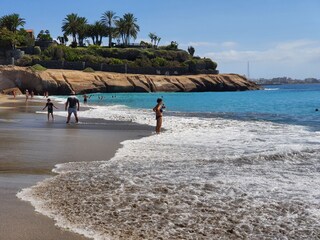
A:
72	105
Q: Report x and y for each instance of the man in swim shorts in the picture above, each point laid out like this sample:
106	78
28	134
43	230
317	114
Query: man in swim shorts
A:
72	105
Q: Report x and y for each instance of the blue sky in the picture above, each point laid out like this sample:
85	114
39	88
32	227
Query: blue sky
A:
277	37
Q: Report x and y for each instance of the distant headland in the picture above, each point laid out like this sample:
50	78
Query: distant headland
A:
285	80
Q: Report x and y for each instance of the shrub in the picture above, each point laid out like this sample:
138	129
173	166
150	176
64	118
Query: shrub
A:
88	69
130	54
93	49
159	62
145	44
56	52
210	64
143	62
37	67
37	50
59	53
93	59
74	44
192	65
181	56
71	55
26	60
115	61
175	64
148	54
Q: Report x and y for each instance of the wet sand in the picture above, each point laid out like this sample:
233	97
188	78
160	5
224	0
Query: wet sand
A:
30	147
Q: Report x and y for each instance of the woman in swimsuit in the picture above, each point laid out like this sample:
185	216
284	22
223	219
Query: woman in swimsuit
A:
158	110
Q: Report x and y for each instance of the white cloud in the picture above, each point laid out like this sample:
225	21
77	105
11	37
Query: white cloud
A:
299	58
198	44
229	44
295	51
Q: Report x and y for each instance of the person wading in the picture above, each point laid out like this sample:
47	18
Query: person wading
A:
72	105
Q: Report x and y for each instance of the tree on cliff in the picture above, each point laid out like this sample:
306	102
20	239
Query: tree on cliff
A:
96	32
154	39
75	26
12	22
44	36
82	30
8	39
10	36
63	39
191	50
108	18
127	28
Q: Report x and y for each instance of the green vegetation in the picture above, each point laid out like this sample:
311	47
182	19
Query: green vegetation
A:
131	56
10	36
77	29
88	69
37	67
191	50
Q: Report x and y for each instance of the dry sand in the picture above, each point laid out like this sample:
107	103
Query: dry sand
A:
30	147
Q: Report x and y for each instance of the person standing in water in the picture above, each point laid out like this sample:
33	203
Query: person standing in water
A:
158	109
50	107
85	98
27	95
72	105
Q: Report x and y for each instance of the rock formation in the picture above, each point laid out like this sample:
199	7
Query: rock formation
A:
62	82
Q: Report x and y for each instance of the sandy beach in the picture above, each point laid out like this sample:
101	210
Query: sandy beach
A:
31	147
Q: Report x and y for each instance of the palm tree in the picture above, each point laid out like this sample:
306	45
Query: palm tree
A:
120	29
82	30
12	22
131	27
152	37
127	28
70	26
157	41
96	31
108	18
63	39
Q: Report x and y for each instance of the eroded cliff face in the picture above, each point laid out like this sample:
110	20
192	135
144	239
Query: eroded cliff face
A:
62	82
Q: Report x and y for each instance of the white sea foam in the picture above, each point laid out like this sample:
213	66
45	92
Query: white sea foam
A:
203	178
271	89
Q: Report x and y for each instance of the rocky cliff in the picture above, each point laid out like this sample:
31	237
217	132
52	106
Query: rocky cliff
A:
62	82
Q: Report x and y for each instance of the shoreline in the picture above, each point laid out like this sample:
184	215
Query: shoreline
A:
33	147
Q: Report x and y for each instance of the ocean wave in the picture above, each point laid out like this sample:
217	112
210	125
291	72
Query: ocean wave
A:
271	89
203	178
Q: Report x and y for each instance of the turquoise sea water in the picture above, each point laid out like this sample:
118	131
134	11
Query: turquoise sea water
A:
229	165
281	103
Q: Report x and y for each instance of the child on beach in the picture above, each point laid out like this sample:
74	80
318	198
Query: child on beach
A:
50	107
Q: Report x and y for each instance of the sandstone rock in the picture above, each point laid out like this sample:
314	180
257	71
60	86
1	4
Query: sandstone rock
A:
59	81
